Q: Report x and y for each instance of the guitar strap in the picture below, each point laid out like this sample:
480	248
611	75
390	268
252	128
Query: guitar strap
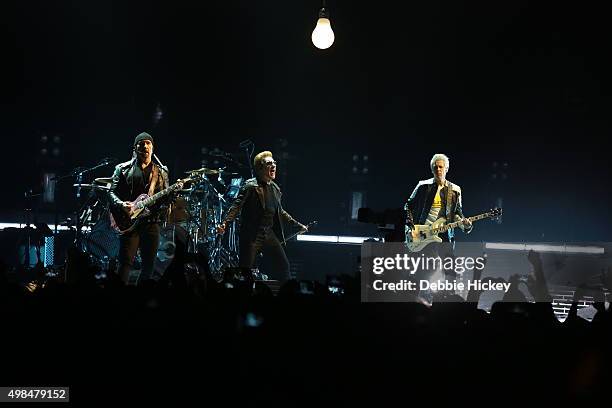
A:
449	192
153	180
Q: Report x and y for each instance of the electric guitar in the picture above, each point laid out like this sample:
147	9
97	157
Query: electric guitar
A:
426	234
124	222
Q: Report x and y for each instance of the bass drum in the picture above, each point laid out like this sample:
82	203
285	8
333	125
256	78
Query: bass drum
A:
103	240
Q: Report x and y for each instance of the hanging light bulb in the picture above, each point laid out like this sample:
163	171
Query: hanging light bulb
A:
323	35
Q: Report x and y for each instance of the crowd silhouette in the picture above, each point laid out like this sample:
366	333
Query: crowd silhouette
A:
203	341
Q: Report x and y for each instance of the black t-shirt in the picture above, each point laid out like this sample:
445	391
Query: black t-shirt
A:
271	205
141	179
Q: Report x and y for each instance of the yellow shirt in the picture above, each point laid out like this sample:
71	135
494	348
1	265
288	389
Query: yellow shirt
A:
435	209
437	202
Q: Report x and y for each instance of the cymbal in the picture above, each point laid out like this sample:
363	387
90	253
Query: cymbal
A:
92	186
203	170
103	180
228	173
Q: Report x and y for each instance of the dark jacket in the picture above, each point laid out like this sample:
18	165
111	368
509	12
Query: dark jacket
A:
418	205
122	188
250	205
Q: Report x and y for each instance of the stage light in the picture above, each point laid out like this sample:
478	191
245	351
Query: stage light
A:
4	225
351	240
546	248
323	35
158	114
333	239
49	187
318	238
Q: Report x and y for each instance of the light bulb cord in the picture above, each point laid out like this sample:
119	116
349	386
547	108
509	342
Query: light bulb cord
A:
323	12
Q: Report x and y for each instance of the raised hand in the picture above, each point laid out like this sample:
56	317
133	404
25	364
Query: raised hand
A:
534	258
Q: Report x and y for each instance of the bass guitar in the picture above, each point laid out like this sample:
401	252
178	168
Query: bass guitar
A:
422	235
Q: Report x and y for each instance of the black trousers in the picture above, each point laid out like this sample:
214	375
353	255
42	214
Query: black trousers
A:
440	251
267	243
146	237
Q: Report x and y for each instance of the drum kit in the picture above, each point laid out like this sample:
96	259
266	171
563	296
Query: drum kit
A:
191	225
99	240
199	208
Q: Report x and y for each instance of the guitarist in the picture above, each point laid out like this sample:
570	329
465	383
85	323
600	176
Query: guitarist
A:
262	217
434	198
143	174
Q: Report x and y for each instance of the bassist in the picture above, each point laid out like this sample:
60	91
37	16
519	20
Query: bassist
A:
433	199
143	174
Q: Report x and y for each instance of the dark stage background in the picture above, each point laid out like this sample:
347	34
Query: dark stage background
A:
515	93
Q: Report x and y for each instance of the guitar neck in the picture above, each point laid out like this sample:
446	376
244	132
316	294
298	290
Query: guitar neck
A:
455	224
151	200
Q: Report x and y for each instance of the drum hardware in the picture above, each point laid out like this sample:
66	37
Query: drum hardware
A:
93	187
190	230
103	180
203	206
203	170
78	173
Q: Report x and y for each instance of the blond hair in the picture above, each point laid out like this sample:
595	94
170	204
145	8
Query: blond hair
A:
439	156
259	159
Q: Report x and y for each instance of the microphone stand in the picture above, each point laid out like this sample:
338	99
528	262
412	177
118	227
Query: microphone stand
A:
27	230
248	147
78	172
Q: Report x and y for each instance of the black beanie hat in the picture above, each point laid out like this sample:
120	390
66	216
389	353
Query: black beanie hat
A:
141	137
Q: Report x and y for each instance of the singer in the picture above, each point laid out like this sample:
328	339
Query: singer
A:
143	174
262	218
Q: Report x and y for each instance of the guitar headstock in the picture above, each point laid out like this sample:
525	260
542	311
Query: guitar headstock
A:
495	213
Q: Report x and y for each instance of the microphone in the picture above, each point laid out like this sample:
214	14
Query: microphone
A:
108	160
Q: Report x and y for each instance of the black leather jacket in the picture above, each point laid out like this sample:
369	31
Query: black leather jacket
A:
250	205
122	188
418	205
